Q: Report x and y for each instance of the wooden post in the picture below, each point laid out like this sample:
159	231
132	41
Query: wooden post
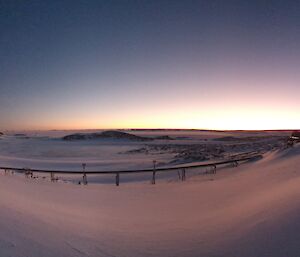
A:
153	173
83	167
153	178
52	177
178	172
183	174
117	179
28	173
84	178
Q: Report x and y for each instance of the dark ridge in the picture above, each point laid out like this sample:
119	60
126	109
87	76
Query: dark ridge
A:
186	130
164	138
20	135
106	134
230	138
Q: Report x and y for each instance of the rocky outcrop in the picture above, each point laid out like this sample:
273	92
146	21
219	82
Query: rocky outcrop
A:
105	135
164	138
296	134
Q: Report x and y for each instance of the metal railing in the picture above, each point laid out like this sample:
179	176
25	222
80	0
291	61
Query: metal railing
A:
181	170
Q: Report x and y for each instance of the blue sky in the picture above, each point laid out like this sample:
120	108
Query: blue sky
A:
115	64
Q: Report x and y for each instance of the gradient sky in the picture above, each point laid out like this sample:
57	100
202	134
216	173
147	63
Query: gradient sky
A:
167	64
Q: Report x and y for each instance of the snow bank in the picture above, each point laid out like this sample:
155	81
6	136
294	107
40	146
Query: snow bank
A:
289	152
247	211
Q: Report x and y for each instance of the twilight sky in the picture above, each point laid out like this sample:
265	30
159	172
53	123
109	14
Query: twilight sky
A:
167	64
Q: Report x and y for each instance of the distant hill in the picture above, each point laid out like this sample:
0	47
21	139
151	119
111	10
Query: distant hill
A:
106	134
252	138
113	134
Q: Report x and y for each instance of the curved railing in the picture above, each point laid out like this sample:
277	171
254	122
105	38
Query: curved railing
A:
181	168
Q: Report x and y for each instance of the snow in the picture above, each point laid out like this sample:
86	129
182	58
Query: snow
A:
252	210
46	150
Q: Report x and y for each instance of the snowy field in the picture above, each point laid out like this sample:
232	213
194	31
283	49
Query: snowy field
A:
252	210
47	150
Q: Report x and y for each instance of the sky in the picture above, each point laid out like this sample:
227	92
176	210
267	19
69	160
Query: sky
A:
149	64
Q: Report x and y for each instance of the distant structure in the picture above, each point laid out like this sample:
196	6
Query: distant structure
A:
294	138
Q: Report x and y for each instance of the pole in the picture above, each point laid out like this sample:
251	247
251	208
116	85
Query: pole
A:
84	178
154	171
52	177
183	174
117	179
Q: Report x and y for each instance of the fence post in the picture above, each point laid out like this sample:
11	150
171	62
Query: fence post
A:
183	174
117	179
153	177
28	173
85	182
179	176
52	177
153	174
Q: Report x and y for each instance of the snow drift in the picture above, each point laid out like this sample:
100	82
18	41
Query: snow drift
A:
252	210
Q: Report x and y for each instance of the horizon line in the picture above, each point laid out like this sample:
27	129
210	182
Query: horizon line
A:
157	129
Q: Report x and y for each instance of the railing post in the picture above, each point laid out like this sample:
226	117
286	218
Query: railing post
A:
85	182
84	178
153	178
179	176
153	173
28	173
52	177
183	174
117	179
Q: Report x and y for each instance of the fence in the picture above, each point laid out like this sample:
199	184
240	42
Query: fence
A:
181	170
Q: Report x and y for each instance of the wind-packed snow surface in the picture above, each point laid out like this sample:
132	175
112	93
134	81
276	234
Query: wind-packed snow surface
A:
252	210
48	150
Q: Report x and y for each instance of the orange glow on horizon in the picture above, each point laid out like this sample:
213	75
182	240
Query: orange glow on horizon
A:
240	104
242	120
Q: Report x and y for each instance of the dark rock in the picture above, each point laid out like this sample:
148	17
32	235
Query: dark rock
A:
164	138
104	135
123	135
296	134
21	136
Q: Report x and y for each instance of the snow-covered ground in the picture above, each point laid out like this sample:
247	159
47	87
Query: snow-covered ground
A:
47	150
252	210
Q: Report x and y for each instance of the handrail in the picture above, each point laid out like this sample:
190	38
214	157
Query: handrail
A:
133	171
